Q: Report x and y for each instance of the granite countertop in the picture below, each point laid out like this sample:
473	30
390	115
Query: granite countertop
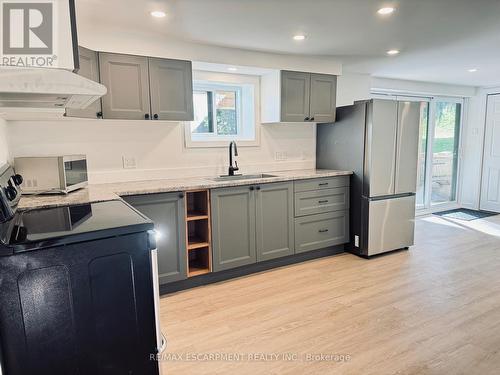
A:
113	191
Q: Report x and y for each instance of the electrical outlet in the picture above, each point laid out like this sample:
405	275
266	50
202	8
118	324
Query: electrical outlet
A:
129	162
356	241
280	155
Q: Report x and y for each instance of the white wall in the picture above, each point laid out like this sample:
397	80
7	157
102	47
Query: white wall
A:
158	148
421	88
4	149
473	143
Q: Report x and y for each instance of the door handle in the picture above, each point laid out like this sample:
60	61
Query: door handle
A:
323	184
323	230
322	202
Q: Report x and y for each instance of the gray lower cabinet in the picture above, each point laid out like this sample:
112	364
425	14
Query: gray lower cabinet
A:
321	201
322	230
171	84
274	224
167	212
233	227
89	68
126	78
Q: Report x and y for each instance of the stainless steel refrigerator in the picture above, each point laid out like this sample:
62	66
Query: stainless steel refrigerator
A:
378	141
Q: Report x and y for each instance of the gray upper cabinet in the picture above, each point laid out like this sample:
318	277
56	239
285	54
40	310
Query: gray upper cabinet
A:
171	85
233	227
295	96
274	224
127	81
89	68
288	96
323	97
167	212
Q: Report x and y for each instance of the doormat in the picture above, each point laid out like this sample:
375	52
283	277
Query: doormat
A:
465	214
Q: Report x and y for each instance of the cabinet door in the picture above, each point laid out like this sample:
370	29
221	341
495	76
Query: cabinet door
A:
89	68
407	148
295	96
126	78
274	209
319	231
167	212
323	97
171	83
233	227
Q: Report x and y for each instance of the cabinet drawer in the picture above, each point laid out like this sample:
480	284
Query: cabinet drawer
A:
321	183
321	201
320	231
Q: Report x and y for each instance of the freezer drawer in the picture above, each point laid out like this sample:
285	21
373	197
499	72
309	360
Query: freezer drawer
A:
391	224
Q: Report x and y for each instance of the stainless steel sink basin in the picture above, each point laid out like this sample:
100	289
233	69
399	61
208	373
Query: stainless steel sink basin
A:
243	177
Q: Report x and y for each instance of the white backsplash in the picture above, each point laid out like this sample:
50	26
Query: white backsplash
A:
158	148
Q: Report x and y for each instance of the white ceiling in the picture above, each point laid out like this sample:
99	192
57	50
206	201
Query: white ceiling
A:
439	39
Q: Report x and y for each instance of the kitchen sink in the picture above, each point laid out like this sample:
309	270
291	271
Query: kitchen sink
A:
243	177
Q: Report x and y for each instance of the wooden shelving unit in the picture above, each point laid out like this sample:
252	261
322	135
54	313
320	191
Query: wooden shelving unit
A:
198	232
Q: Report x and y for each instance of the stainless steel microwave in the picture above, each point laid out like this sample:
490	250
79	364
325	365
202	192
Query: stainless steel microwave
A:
52	174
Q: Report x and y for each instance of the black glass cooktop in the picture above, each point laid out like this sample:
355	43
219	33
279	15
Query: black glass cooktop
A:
61	225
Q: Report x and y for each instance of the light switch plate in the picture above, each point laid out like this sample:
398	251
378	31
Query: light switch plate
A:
129	162
356	241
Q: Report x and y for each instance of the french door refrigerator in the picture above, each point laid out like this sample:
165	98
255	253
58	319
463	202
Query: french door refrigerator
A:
378	140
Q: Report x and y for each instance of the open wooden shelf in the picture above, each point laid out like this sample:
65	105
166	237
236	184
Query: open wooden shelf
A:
199	261
198	233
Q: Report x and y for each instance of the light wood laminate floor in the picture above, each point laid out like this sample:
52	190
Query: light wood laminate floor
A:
432	310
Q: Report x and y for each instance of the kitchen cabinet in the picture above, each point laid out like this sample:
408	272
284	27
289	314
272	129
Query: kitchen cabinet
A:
295	96
289	96
323	230
251	223
126	78
146	88
233	227
323	98
321	213
89	68
274	223
167	210
171	87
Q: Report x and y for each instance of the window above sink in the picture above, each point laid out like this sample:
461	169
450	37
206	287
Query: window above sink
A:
225	109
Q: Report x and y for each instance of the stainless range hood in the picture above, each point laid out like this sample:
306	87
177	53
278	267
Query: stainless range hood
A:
43	88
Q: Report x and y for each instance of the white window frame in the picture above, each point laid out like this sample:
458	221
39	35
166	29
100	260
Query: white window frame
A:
248	89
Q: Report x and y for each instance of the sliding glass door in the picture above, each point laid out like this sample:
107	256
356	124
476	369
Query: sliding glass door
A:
439	143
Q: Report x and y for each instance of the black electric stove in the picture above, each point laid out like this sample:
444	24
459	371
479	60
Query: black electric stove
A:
78	288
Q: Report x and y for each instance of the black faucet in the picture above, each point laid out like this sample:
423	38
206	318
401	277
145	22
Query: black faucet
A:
231	168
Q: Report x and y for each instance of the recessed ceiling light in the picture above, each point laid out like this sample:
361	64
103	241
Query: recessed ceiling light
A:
299	37
473	70
158	14
392	52
232	69
386	10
